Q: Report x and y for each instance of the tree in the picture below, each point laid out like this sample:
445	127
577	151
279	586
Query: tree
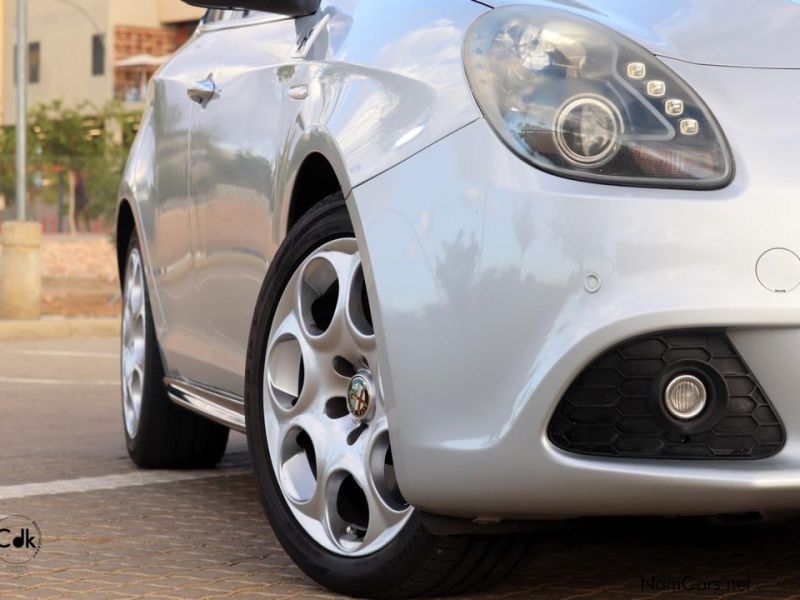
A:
65	141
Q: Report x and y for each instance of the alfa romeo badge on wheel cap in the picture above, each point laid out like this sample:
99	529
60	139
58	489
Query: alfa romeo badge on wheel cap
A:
360	396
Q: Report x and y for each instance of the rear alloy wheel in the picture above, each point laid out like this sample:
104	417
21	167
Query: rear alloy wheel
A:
134	315
319	436
158	432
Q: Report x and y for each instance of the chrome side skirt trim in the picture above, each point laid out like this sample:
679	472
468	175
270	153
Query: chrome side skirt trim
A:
222	407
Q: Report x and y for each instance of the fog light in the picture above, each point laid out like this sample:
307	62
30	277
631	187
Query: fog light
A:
685	397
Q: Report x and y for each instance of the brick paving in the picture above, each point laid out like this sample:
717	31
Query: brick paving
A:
208	538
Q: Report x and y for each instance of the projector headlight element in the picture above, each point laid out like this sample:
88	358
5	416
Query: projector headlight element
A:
577	99
588	131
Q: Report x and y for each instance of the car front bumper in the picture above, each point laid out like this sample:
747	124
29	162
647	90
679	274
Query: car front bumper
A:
478	267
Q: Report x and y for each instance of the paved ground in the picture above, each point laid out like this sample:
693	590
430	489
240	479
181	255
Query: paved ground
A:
79	276
110	531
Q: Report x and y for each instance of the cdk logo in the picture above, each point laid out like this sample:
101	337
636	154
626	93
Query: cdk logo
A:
20	539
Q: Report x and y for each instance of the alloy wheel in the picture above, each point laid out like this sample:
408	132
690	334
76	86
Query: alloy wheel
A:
326	426
133	342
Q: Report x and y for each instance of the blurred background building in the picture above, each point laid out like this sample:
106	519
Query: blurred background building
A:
92	50
89	63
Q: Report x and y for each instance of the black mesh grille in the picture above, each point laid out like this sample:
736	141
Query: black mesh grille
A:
610	409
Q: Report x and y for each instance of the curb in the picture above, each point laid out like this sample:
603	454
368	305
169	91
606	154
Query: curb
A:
58	328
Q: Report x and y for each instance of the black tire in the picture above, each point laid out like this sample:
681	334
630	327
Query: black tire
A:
168	436
416	562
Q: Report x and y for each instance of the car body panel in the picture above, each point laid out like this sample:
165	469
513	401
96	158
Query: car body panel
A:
476	261
233	161
739	33
479	276
374	98
155	184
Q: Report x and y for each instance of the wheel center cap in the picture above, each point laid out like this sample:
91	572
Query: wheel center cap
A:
361	396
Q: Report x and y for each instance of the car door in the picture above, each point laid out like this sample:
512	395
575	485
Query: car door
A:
171	228
234	145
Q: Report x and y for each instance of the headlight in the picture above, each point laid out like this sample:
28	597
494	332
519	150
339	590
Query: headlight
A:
576	99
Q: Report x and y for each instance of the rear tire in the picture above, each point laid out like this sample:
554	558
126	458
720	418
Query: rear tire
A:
413	562
158	432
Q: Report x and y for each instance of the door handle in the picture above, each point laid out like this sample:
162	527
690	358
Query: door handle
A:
204	91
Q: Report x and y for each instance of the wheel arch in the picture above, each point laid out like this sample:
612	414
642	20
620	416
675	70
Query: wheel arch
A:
315	181
129	221
126	225
315	170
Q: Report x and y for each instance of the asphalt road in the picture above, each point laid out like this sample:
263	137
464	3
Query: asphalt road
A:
110	531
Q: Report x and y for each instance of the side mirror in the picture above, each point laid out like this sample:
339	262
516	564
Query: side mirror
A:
294	8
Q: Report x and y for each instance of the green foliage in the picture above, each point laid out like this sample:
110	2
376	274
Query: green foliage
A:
83	138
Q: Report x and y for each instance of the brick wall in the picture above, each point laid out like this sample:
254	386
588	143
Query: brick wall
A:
130	41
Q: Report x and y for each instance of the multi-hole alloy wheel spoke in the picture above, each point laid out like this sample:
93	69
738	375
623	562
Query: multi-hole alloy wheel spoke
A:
323	411
133	340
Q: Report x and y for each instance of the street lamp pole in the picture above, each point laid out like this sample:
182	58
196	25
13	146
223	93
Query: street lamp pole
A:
22	108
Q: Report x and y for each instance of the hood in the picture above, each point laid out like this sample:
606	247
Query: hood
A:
734	33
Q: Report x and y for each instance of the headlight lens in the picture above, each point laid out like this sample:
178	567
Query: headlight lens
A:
573	97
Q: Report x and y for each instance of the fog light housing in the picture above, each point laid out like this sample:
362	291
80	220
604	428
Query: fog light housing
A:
685	397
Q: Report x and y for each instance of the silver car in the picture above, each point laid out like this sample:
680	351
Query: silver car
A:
457	267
